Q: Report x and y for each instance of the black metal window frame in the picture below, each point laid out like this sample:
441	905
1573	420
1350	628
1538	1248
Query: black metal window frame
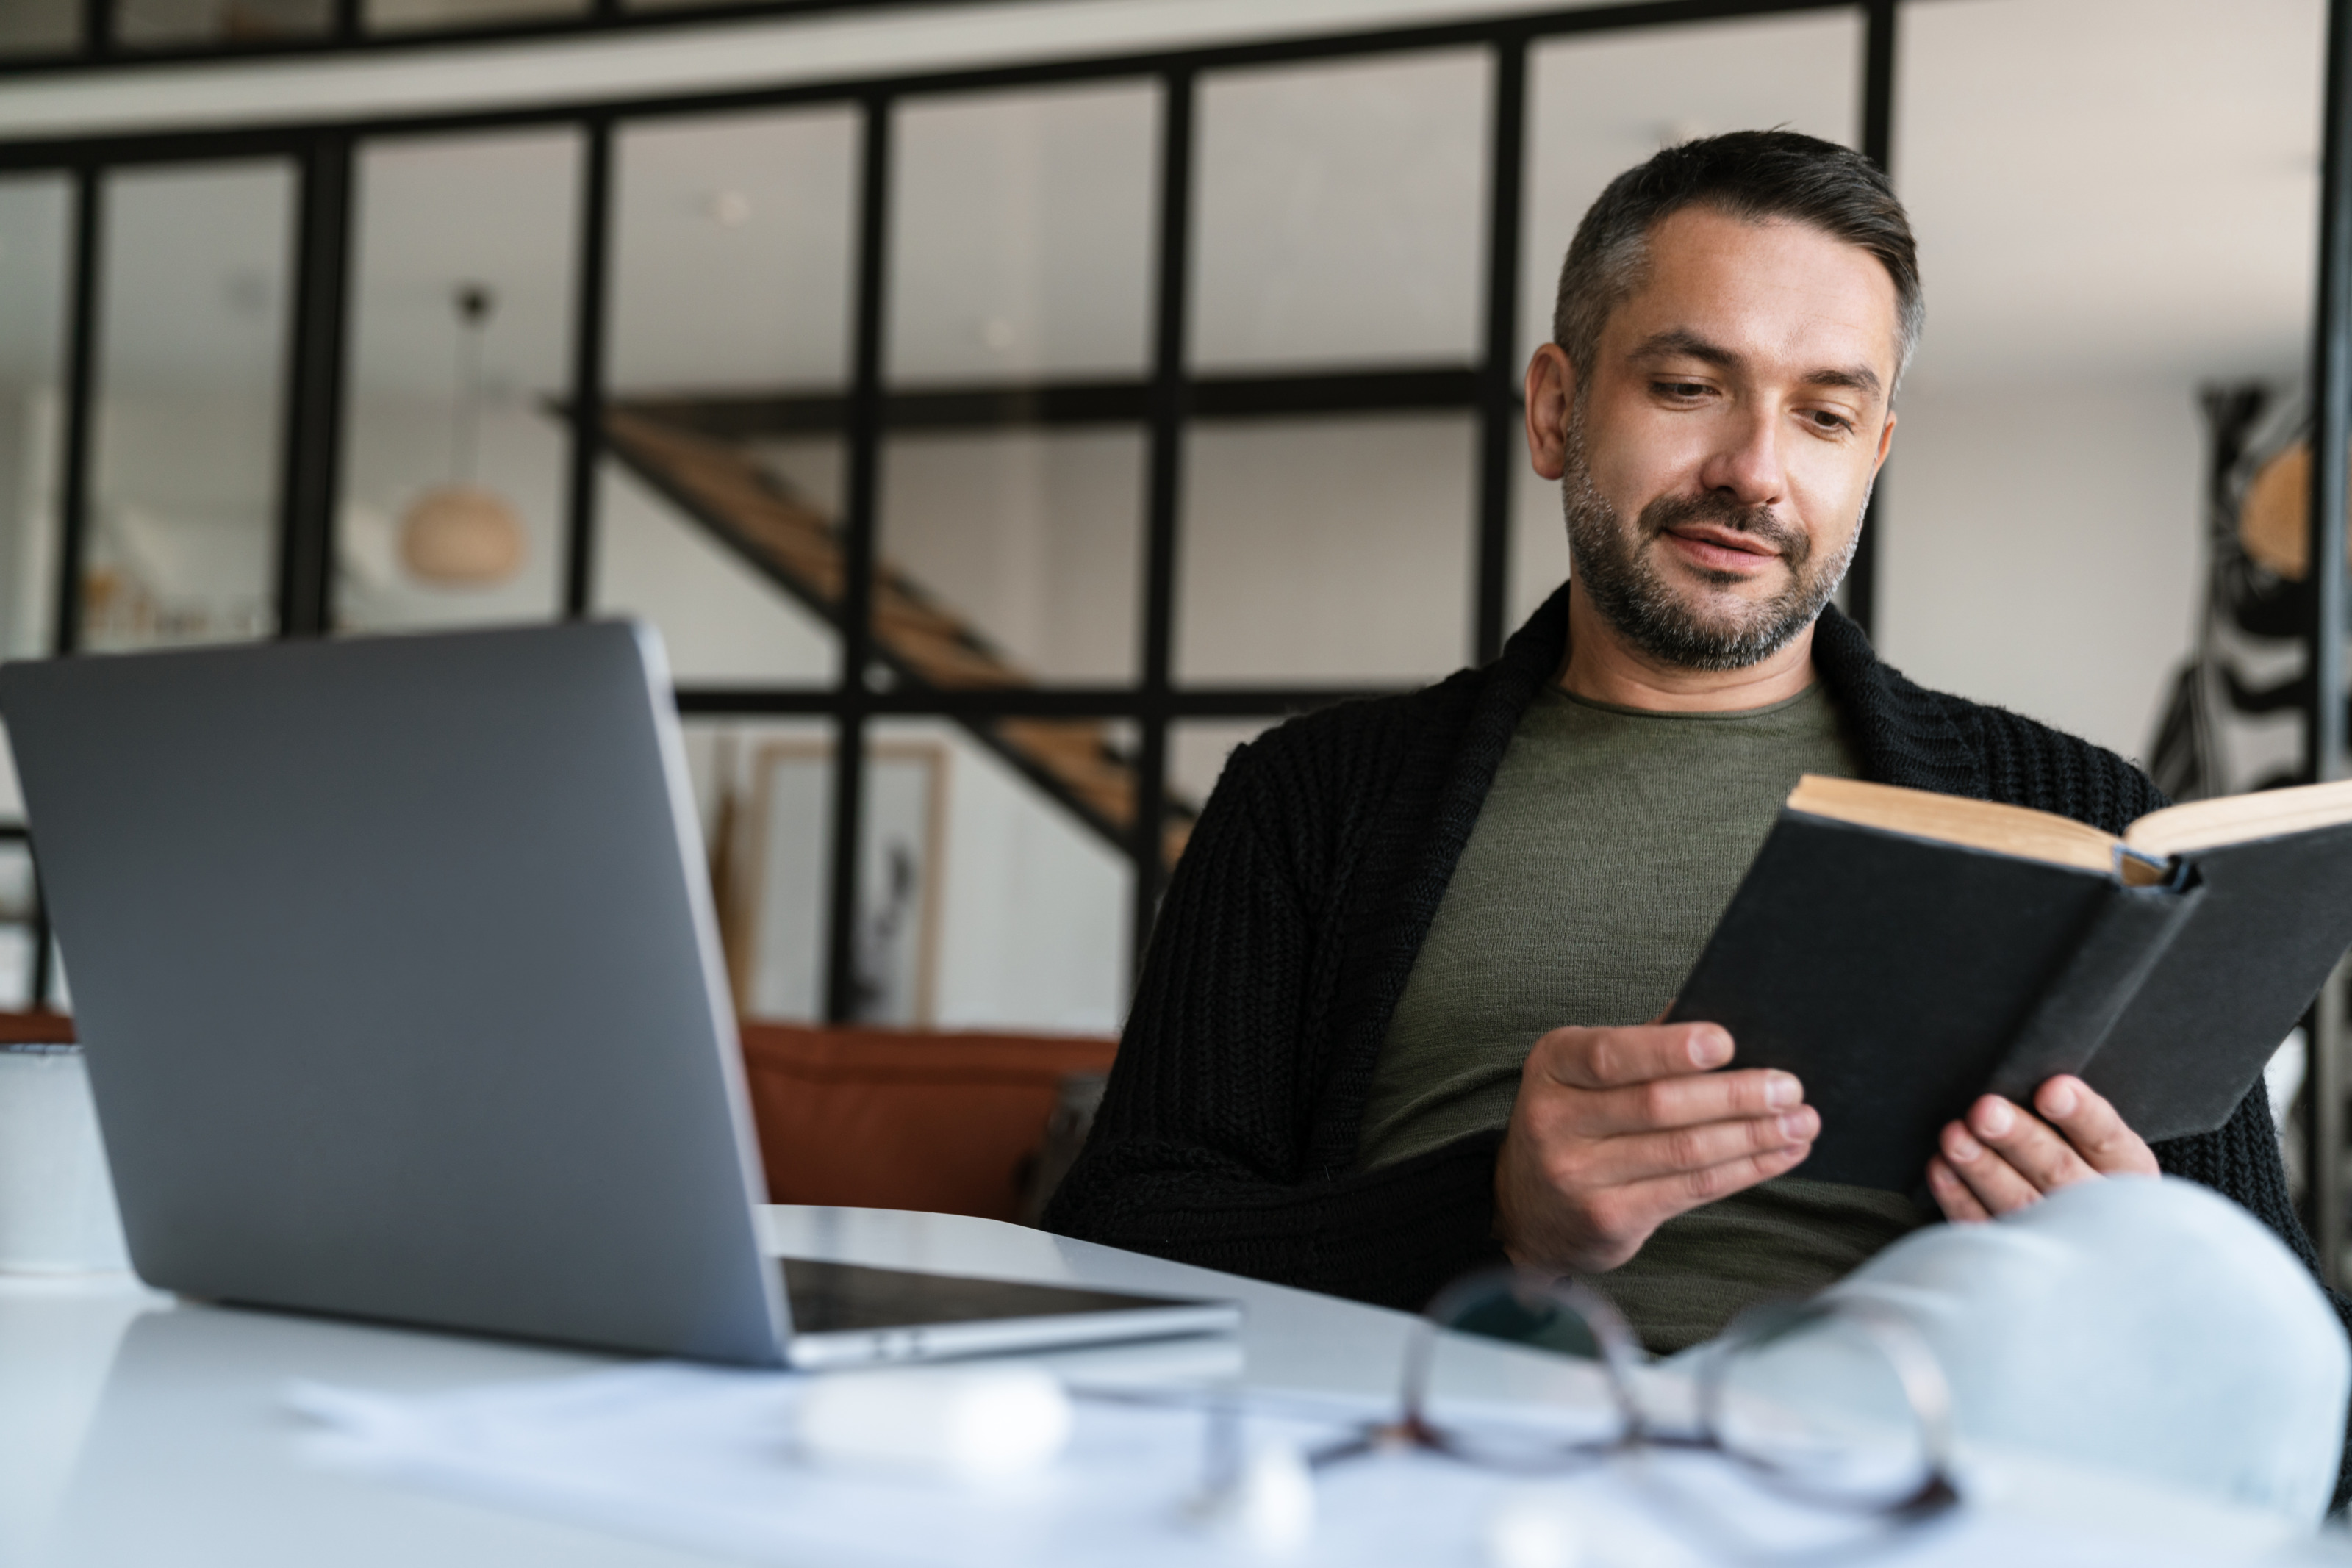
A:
1164	403
98	43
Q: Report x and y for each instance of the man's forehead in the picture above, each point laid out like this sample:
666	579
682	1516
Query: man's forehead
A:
1775	288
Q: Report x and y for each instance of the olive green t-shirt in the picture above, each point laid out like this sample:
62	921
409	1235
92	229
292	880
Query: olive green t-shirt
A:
1608	847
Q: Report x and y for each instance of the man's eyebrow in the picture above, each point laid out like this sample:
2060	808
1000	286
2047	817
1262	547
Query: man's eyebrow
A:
1856	378
1683	341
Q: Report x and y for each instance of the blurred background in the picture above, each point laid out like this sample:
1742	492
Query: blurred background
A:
1004	411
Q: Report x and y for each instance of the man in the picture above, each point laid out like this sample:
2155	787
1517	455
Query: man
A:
1393	1017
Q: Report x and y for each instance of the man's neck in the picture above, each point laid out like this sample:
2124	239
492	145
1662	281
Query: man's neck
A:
1603	667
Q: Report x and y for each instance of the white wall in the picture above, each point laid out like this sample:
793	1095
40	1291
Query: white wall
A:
2043	548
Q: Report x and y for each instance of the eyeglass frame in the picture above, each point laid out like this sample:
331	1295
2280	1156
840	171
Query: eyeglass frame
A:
1926	1390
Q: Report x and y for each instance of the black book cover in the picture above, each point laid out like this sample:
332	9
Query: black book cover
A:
1899	978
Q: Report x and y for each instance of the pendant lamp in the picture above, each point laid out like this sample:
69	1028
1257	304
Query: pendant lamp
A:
460	535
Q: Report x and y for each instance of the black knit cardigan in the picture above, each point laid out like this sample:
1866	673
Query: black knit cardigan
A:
1227	1135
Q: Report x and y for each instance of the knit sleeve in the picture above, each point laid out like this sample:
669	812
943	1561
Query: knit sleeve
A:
2241	1161
1199	1152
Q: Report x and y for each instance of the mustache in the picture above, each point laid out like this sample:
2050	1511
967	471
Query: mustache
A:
1760	523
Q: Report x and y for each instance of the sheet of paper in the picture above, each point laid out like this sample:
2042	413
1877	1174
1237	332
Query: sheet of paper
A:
705	1458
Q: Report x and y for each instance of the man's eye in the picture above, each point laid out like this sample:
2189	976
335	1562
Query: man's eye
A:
1823	419
1683	388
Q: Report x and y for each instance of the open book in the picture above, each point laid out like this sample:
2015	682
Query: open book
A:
1903	952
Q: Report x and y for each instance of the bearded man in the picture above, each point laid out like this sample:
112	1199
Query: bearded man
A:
1392	1022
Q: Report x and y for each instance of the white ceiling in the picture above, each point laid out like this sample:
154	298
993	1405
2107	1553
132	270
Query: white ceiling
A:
2102	187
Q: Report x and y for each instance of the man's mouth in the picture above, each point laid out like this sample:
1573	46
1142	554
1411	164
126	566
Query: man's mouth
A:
1719	549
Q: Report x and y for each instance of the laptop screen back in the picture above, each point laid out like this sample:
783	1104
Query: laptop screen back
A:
394	965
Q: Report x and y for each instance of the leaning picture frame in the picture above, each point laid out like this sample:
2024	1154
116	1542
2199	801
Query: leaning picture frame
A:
780	882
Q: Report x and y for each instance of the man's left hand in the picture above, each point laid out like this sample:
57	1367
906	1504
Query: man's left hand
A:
2003	1157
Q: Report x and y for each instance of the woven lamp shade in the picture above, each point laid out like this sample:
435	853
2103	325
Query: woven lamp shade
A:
462	536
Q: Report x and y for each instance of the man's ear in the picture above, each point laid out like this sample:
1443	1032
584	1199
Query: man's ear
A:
1885	443
1552	394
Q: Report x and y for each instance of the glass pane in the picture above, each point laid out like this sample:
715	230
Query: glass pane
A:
740	576
409	15
1598	105
730	345
2098	249
153	22
182	538
1340	212
995	895
765	791
1012	556
1021	235
455	450
732	256
40	26
33	225
16	944
1327	550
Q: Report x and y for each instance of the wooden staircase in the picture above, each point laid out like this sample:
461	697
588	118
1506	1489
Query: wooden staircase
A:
724	488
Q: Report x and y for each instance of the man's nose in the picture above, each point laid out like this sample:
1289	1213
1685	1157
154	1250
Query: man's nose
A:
1747	460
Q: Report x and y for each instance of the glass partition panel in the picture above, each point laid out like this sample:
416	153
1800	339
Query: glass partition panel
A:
731	306
163	23
1010	557
995	893
40	26
764	789
35	218
1327	550
1340	214
412	15
2102	248
1021	233
732	261
454	447
193	310
17	913
1597	106
738	572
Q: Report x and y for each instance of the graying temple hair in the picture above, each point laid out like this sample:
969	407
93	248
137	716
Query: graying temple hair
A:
1753	175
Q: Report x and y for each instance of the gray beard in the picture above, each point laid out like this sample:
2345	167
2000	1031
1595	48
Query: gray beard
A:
1624	584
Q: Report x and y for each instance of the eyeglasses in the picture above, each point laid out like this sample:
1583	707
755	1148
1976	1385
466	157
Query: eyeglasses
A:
1854	1420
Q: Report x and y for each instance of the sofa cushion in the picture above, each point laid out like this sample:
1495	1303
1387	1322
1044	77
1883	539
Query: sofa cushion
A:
865	1118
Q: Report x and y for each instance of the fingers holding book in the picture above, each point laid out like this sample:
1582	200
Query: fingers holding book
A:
1618	1130
2001	1157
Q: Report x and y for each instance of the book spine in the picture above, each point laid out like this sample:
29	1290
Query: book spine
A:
2079	1007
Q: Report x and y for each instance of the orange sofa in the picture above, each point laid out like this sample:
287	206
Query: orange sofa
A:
872	1118
875	1119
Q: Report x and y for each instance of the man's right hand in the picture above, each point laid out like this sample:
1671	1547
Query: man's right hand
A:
1618	1130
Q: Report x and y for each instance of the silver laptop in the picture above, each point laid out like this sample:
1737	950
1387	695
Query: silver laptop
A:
395	967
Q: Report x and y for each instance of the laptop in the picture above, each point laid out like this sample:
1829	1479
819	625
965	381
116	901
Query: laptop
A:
395	967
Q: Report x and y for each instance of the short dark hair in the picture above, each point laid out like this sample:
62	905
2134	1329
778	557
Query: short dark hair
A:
1755	175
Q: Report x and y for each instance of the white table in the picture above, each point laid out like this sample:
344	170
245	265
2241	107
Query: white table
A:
136	1429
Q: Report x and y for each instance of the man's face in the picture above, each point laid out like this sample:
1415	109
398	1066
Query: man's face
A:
1716	459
